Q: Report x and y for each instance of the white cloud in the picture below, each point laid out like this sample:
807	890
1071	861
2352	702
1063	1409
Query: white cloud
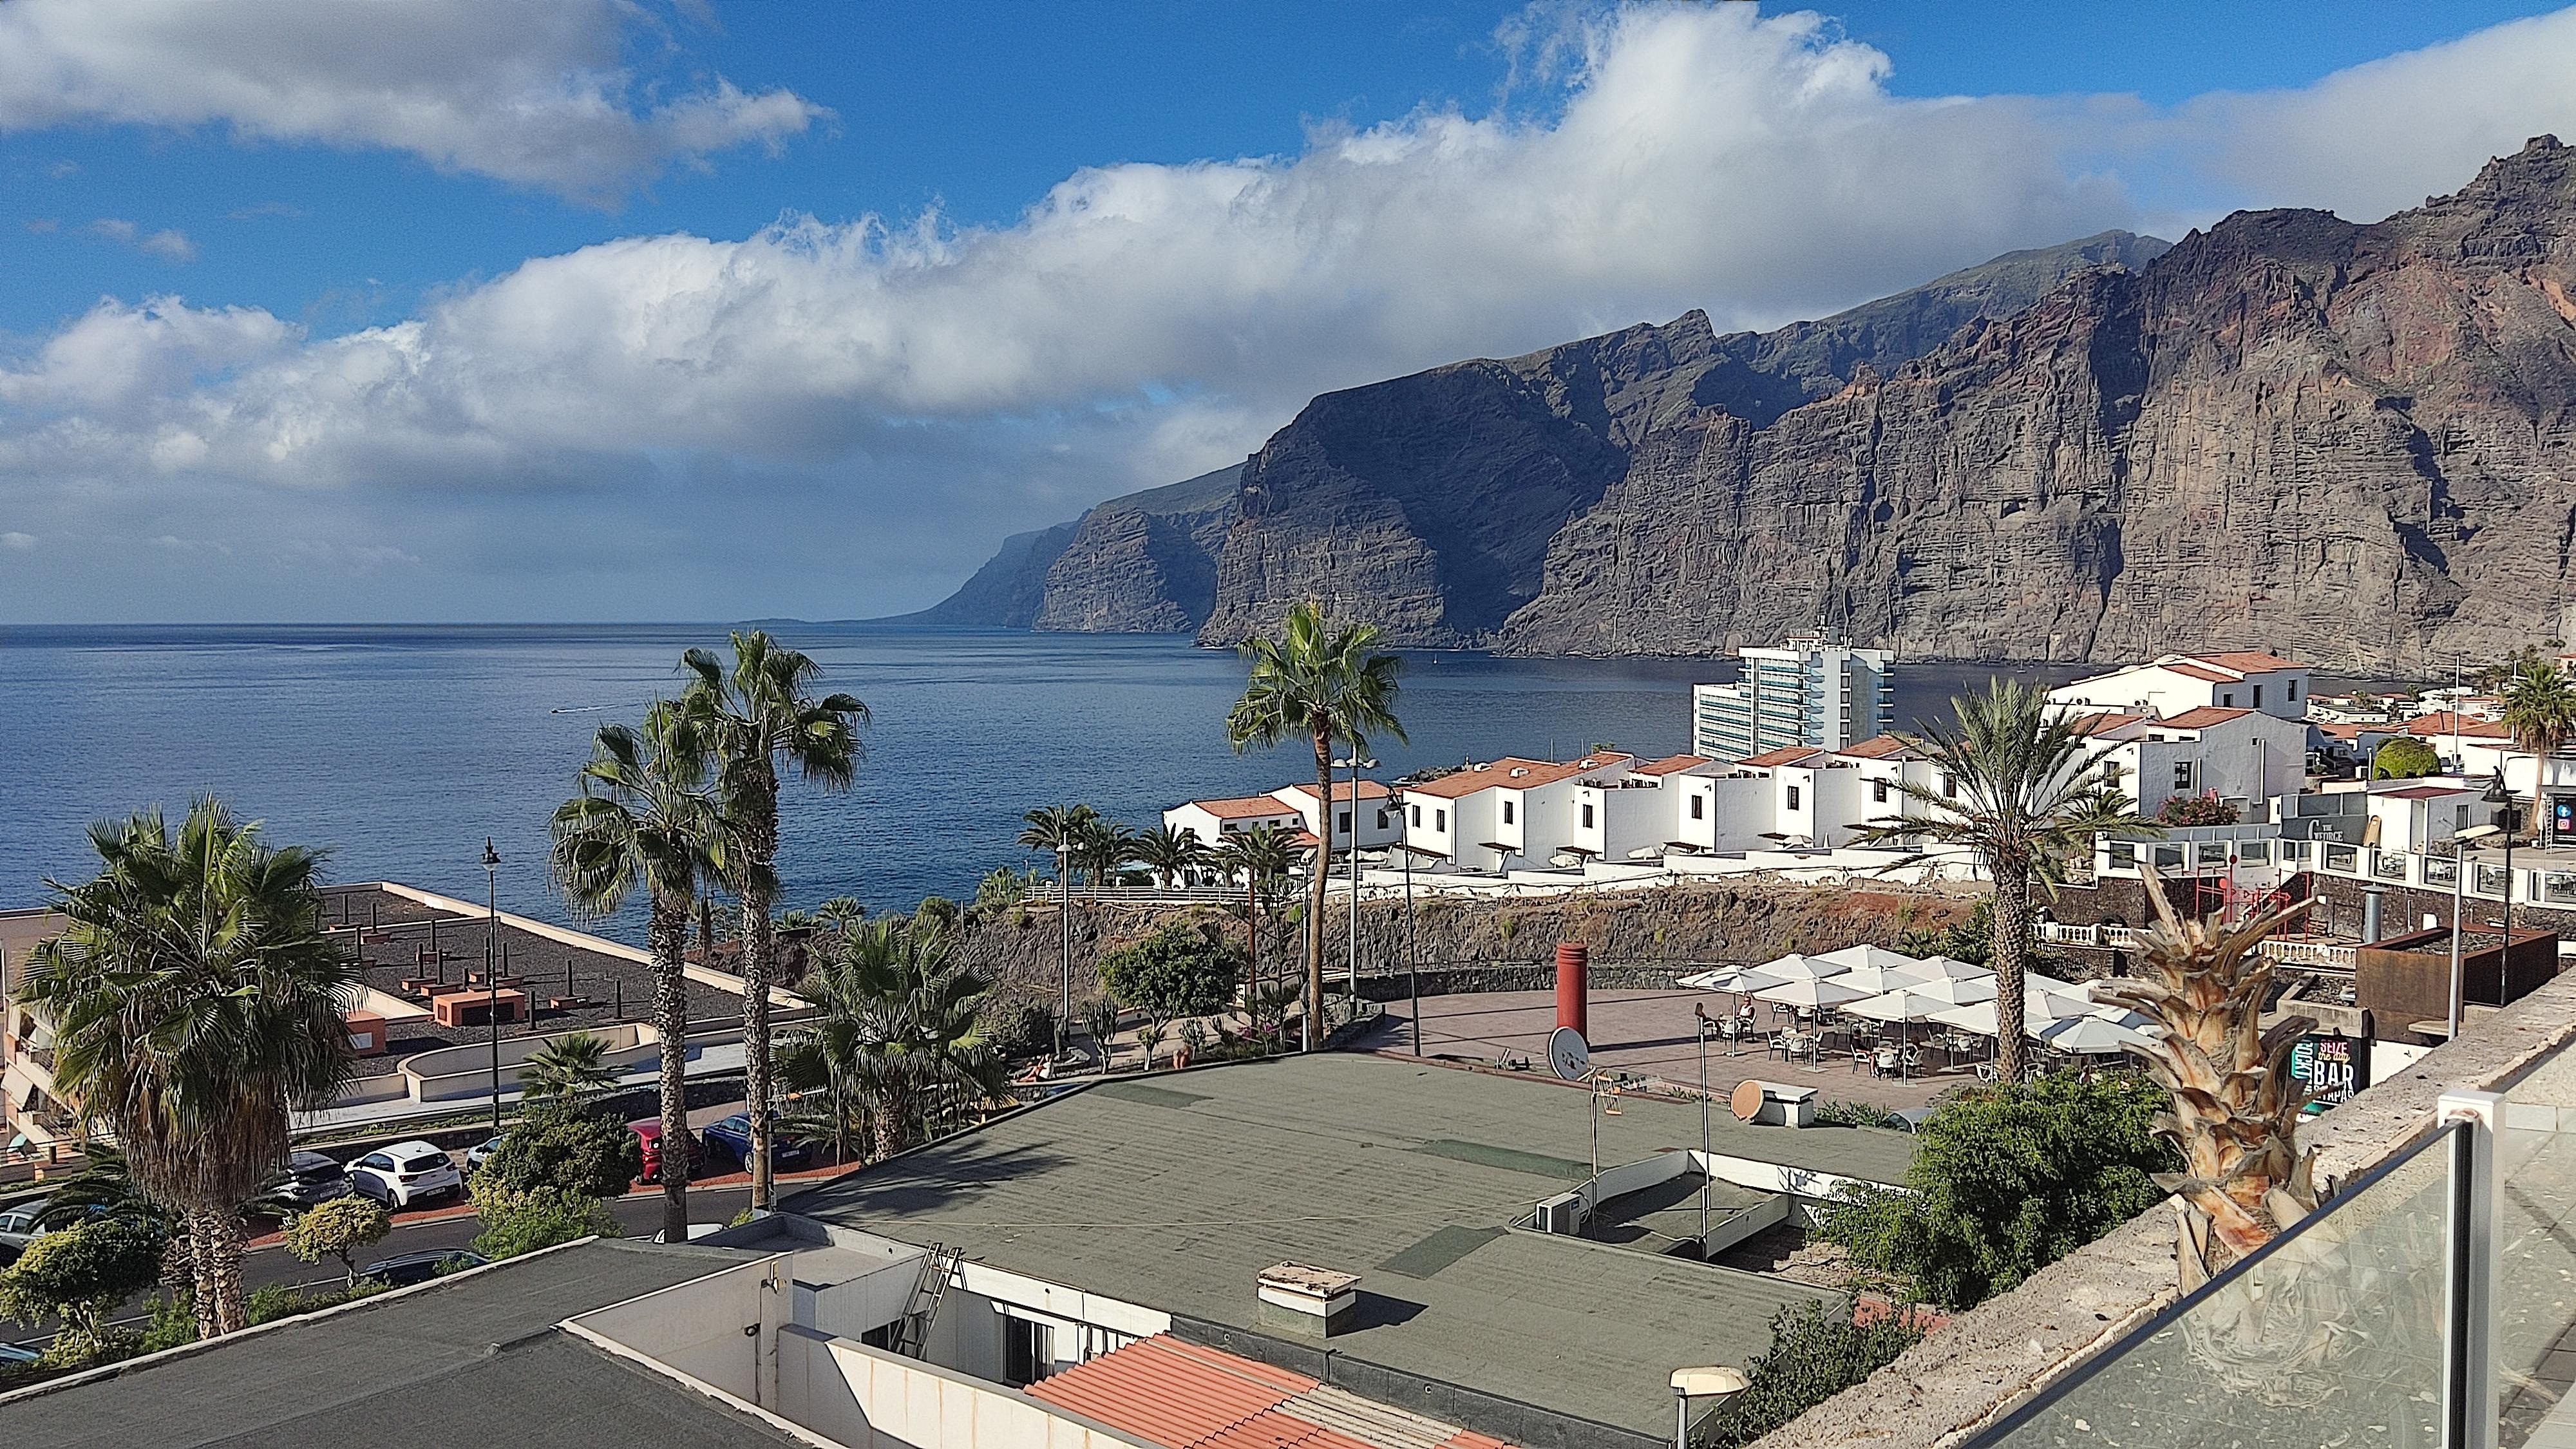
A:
19	541
1143	322
538	95
170	244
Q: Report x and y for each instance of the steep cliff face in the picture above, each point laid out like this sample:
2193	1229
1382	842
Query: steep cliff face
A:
2352	443
1142	564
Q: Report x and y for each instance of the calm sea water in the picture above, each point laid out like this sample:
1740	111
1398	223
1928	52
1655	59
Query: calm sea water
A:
403	747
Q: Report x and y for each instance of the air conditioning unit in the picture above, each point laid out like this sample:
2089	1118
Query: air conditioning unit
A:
1562	1213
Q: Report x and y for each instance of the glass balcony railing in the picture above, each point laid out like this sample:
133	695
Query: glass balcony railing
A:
2431	1304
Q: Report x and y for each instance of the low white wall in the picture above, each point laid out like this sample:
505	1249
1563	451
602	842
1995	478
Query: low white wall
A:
696	1327
869	1399
1770	1212
862	1304
447	1073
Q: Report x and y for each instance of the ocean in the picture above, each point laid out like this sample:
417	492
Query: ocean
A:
403	747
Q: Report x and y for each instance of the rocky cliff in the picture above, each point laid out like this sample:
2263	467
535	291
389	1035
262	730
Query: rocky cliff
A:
2352	443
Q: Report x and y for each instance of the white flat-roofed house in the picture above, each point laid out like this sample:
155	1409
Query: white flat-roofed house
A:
2176	683
1512	813
2242	756
1816	796
1686	802
2422	814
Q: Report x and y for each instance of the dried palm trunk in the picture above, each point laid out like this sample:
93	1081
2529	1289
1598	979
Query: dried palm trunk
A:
2236	1107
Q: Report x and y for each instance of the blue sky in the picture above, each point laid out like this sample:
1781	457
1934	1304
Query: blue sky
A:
399	311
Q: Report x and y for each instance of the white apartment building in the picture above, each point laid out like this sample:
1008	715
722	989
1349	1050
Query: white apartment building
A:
1291	807
1512	813
2240	755
1810	691
2175	683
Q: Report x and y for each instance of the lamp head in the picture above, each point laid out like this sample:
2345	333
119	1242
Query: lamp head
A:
2497	793
491	857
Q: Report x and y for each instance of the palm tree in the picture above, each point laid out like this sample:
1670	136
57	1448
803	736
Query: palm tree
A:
644	818
894	1036
2540	711
1317	682
759	715
1101	847
2024	794
196	1001
1054	826
1168	853
1260	856
567	1069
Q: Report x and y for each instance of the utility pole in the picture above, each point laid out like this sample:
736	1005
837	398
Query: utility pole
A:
492	968
1064	933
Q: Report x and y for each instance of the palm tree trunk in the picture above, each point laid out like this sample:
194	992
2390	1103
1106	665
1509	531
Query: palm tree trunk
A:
2011	958
218	1235
1315	888
201	1274
668	933
1252	956
760	837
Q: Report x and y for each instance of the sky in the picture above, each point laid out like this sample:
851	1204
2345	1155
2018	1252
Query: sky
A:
464	310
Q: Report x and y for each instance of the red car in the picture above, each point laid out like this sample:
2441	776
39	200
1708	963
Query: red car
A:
649	1131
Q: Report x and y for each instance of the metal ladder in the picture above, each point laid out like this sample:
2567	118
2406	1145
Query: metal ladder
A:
912	1331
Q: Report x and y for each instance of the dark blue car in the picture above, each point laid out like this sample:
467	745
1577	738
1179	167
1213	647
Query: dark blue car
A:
730	1140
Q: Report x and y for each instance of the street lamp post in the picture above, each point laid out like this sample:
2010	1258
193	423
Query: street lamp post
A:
1064	933
1700	1024
492	968
1356	764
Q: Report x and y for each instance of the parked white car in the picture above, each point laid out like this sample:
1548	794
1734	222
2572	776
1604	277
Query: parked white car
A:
406	1174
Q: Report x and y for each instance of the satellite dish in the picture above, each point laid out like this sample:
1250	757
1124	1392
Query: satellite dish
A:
1567	1055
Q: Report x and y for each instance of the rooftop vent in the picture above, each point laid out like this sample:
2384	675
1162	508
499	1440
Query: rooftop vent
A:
1519	770
1314	1301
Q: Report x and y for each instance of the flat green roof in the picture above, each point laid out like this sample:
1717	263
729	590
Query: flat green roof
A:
1175	1193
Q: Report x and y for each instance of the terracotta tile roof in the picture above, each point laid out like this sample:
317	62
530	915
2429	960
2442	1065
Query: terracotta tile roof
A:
1670	763
1785	755
2444	722
1237	807
2204	717
2190	670
1369	790
1186	1396
1878	747
1499	775
2107	721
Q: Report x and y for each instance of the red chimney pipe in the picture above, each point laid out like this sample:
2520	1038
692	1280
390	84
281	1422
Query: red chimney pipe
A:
1573	999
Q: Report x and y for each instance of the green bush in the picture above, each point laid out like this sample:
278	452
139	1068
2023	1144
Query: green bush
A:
1831	1113
277	1300
80	1275
2006	1180
1181	970
2404	758
560	1147
173	1321
338	1229
1816	1352
540	1217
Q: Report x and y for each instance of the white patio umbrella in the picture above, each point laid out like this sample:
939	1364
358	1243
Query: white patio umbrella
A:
1809	994
1877	978
2090	1035
1956	990
1900	1005
2039	1012
1868	956
1931	967
1794	967
2033	981
1741	980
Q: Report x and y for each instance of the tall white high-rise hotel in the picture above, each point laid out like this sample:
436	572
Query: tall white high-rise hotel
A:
1810	691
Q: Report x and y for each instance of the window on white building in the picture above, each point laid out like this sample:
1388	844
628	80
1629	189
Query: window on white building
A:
1878	792
1417	815
2258	696
1949	788
1587	817
1342	821
1699	807
1381	820
2294	689
1507	812
2182	774
1793	797
2227	698
1441	821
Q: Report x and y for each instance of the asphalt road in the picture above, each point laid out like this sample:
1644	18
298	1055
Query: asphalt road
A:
639	1213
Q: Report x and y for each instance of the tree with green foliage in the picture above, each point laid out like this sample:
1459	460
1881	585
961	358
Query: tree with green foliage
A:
557	1147
2007	1179
1260	858
338	1229
1321	683
759	717
2540	713
894	1035
644	819
568	1068
519	1221
1816	1352
1170	854
2404	757
195	997
1180	970
2023	792
81	1275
